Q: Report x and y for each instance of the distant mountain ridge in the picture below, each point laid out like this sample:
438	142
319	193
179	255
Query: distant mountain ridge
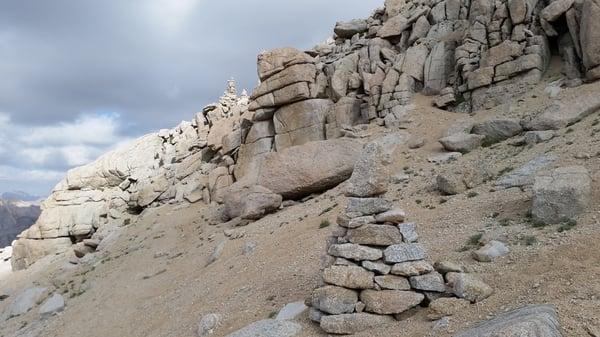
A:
19	196
18	211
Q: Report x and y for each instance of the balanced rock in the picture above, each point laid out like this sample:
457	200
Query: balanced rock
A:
404	252
375	235
413	268
352	277
334	300
429	282
273	61
409	232
392	282
359	222
370	176
394	216
355	252
388	302
377	267
368	206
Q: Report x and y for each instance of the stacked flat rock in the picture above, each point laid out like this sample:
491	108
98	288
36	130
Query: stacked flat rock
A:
378	270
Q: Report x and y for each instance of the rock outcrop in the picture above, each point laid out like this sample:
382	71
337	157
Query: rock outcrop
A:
473	54
189	163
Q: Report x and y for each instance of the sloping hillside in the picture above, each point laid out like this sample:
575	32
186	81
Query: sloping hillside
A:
486	117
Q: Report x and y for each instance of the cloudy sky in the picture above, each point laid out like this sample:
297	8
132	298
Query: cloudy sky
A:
78	77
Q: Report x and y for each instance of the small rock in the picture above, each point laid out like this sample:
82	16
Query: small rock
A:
392	282
92	243
360	221
377	267
248	248
343	262
352	277
408	269
444	267
416	143
497	130
404	252
389	302
492	250
291	311
433	281
409	232
208	324
469	287
334	300
217	251
368	206
81	250
355	252
394	216
462	142
535	137
344	218
375	235
315	315
359	307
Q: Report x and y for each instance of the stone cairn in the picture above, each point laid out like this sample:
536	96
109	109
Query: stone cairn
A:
377	271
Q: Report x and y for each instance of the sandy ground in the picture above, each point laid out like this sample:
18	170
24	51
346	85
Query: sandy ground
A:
154	280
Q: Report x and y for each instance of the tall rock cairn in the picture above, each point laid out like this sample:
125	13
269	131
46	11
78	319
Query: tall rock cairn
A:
377	270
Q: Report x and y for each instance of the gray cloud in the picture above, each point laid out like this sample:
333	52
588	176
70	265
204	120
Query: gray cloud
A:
152	63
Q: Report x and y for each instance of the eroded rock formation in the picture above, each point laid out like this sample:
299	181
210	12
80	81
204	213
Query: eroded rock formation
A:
473	54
